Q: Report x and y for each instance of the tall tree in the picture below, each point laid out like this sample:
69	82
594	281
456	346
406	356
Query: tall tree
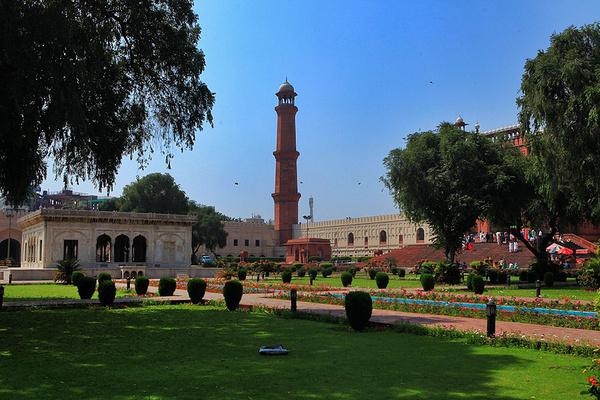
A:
157	193
209	230
448	178
560	119
87	82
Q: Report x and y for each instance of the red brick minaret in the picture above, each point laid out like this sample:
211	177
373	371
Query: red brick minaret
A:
286	194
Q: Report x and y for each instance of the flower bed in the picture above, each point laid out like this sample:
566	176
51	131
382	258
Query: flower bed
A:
590	323
565	304
215	285
593	379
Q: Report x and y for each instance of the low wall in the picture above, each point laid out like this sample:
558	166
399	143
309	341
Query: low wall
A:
44	274
28	274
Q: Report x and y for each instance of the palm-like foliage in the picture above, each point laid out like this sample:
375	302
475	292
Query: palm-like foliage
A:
65	270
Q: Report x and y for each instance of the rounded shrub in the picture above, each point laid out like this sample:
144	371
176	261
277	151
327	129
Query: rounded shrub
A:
382	279
141	285
232	292
478	284
301	272
106	292
242	272
427	282
523	276
76	277
286	276
372	272
104	276
312	273
549	279
86	287
470	280
326	272
167	286
401	272
359	307
196	288
353	271
346	278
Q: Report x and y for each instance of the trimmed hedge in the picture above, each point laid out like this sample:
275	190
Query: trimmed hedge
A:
427	282
346	278
286	276
76	276
359	307
312	273
141	285
382	279
104	276
372	273
242	272
478	284
232	292
326	272
401	272
470	280
107	292
86	287
167	286
196	288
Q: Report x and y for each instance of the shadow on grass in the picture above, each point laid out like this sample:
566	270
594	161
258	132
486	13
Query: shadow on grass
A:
186	352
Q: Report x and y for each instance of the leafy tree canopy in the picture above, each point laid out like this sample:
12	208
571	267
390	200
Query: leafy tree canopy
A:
448	178
87	82
560	118
157	193
209	231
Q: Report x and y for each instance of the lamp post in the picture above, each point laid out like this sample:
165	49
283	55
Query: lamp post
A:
293	298
490	310
538	288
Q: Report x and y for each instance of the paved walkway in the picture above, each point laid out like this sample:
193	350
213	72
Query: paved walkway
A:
389	317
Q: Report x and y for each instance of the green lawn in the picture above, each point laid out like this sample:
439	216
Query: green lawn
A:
362	282
192	352
573	293
44	291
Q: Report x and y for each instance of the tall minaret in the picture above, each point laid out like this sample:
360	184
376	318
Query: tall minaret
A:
286	194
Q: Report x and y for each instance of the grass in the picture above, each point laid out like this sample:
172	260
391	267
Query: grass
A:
572	293
191	352
362	281
45	291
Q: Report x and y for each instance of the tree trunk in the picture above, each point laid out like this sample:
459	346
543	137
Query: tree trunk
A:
539	251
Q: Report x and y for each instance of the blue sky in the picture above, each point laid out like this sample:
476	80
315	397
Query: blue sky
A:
362	71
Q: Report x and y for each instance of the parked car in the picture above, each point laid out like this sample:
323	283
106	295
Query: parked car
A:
207	260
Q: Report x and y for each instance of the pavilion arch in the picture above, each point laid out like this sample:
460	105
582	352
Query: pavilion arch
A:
139	249
420	235
103	248
122	248
351	239
382	237
15	249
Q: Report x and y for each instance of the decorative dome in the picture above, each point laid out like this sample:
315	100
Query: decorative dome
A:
286	87
459	120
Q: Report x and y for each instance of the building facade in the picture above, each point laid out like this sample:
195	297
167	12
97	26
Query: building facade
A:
106	241
366	236
253	236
